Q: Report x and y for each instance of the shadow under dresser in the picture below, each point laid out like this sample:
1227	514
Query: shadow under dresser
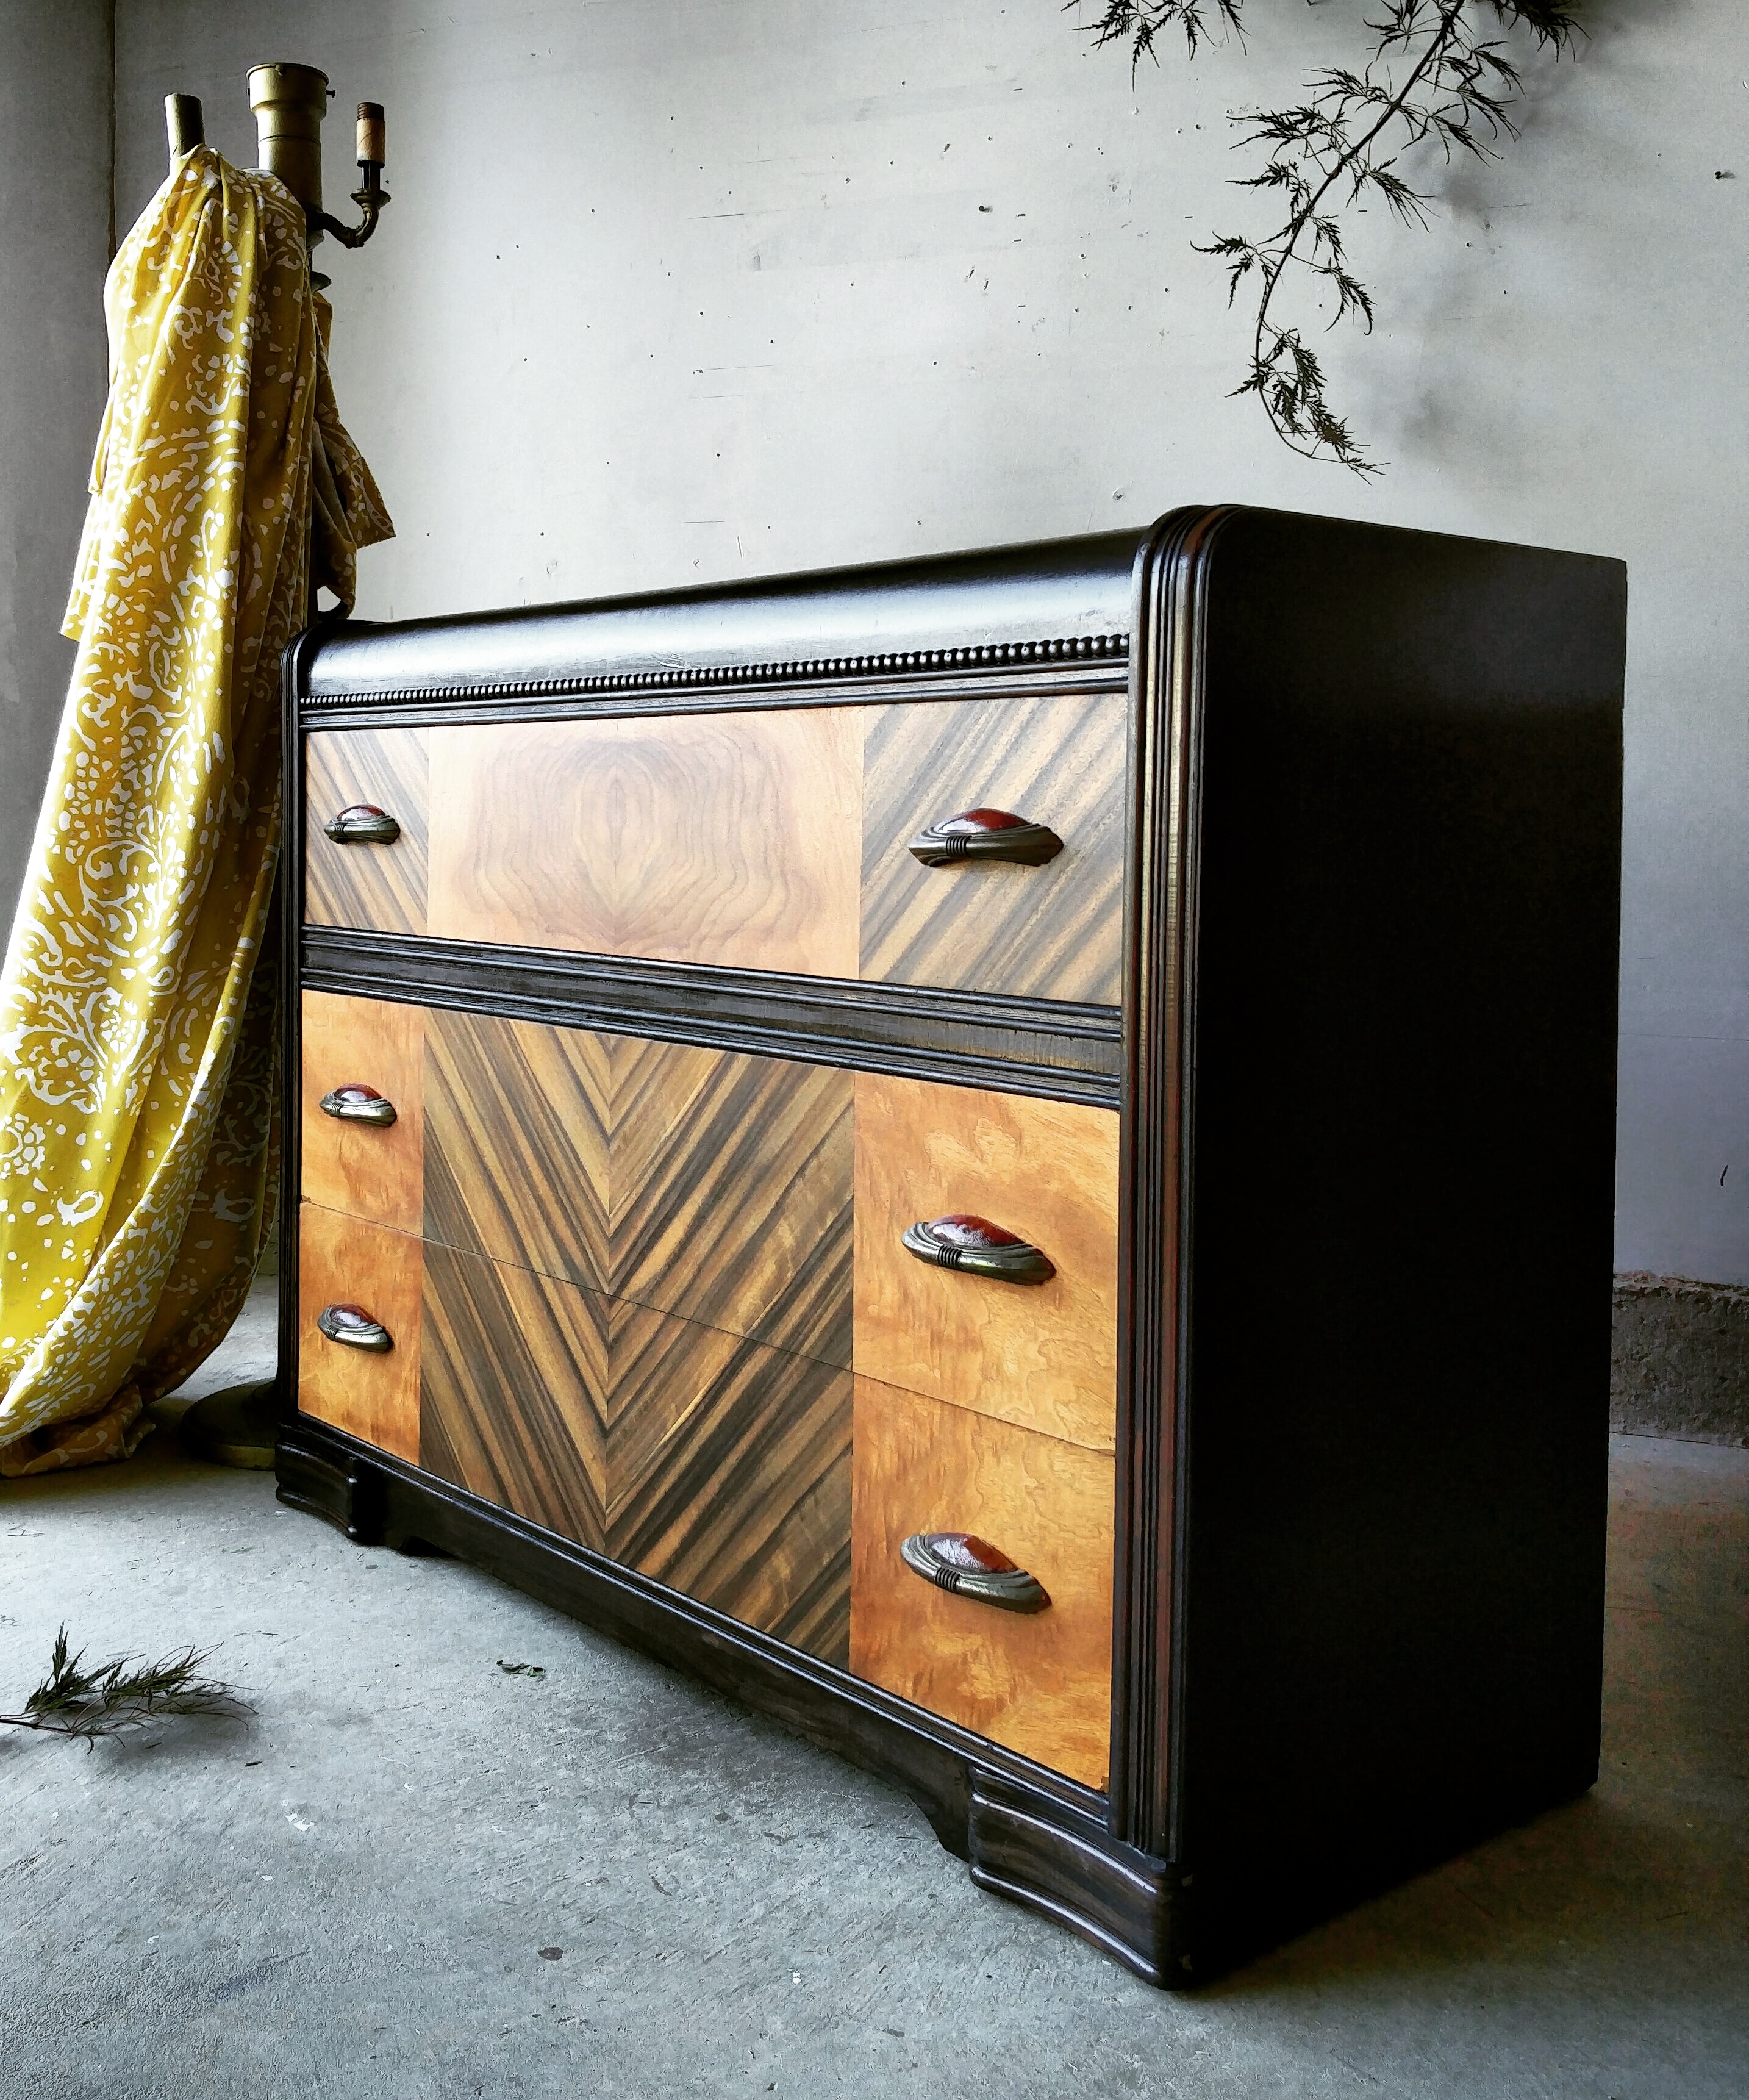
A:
1009	1157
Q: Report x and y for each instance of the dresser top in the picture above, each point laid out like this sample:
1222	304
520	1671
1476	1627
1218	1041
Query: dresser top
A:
1058	599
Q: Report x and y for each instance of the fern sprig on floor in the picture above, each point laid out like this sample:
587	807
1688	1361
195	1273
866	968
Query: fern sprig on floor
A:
124	1694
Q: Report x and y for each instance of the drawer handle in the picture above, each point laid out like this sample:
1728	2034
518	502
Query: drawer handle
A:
363	825
357	1103
352	1324
986	835
968	1566
964	1241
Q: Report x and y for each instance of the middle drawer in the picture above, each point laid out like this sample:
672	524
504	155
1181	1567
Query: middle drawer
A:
766	1197
715	1465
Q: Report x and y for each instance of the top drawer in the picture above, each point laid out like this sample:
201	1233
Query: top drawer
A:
775	841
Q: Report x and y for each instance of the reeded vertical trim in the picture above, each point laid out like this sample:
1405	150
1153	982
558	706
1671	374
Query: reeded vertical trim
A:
1160	928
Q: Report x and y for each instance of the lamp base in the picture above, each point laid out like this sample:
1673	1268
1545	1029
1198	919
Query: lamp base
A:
236	1427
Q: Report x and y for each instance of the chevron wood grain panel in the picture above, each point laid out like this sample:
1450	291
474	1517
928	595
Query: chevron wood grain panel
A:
727	839
729	1465
732	1182
706	1184
516	1376
519	1119
345	1261
1040	1682
703	1460
380	888
370	1172
1042	1356
1054	932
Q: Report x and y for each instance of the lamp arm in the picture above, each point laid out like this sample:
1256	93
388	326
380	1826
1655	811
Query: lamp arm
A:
370	201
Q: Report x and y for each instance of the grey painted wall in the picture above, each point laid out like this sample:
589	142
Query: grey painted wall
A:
677	291
54	206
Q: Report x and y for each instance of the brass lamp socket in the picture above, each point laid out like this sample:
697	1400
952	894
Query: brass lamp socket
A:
373	135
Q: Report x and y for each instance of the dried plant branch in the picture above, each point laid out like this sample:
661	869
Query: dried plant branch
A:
1432	75
1138	22
124	1694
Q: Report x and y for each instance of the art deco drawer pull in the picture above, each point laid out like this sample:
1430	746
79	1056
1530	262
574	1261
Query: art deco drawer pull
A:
363	825
986	835
352	1324
970	1566
357	1103
964	1241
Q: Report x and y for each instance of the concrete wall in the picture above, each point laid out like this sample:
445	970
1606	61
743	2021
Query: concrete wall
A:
671	292
55	210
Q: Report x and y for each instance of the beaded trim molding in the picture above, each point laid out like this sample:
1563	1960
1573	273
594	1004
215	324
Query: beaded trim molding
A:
991	656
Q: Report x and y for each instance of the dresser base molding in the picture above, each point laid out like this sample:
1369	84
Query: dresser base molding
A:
1027	1833
1126	1902
328	1478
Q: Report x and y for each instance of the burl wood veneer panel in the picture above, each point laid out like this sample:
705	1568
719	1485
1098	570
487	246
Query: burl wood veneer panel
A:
1038	1683
371	1171
1054	932
346	1261
381	888
706	1184
703	1460
515	1377
1042	1356
729	839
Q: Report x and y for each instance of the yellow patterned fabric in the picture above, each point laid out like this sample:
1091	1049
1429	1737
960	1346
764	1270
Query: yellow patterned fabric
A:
138	1103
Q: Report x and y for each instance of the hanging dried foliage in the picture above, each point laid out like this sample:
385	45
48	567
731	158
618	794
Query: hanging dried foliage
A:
1433	74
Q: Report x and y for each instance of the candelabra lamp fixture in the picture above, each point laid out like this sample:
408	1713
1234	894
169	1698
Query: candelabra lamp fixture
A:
289	102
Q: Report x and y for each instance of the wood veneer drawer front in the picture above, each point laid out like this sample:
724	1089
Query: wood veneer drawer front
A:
1052	931
352	1160
707	1462
376	885
777	840
1039	1683
371	1392
706	1184
1041	1355
729	839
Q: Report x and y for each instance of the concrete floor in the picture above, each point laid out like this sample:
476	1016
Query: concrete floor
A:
412	1874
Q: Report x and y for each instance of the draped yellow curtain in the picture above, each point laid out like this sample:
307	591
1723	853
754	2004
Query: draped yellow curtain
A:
138	1136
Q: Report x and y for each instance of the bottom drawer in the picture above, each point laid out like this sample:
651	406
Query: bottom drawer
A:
1039	1683
771	1486
374	1395
713	1464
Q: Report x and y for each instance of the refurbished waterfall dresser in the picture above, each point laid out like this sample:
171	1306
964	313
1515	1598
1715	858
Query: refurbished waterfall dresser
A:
1009	1157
